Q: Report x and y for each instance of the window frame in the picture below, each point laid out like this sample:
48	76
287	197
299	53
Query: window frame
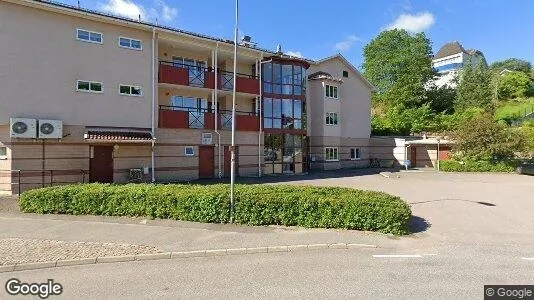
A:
335	150
192	151
90	83
130	47
345	74
3	156
89	40
357	153
131	86
331	116
335	91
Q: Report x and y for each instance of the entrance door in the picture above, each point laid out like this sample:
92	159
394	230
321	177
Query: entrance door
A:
228	161
206	161
101	164
413	156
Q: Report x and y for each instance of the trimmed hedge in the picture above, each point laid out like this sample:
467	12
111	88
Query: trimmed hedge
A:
306	206
478	166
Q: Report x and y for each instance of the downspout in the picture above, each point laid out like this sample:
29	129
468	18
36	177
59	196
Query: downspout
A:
260	104
152	158
215	64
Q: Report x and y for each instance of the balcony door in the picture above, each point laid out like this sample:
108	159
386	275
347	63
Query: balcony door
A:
196	69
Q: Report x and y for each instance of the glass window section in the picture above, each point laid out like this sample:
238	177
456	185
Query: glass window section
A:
268	123
297	90
287	74
297	124
83	85
268	107
96	86
124	42
189	102
277	123
136	90
277	108
277	89
268	72
297	109
124	89
135	44
83	35
287	108
268	88
277	74
95	37
287	89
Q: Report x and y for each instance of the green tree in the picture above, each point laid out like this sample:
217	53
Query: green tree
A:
399	120
480	138
475	87
441	99
512	64
399	65
513	85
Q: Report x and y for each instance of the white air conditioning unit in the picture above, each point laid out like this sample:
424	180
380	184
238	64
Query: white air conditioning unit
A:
23	128
50	129
207	138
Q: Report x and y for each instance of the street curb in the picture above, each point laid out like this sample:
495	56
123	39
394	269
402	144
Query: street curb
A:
178	255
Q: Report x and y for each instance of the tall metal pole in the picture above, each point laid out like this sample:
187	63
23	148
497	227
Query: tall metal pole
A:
232	171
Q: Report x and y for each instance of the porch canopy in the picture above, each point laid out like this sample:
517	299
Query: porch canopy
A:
118	135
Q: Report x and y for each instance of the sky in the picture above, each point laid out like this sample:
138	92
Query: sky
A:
317	29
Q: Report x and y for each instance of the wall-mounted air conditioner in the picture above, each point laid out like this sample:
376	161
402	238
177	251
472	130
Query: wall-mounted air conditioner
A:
50	129
23	128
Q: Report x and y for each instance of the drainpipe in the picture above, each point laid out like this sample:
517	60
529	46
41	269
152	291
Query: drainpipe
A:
215	58
261	107
152	159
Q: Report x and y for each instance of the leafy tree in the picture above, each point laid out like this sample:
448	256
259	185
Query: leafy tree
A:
513	85
399	120
441	99
399	65
512	64
479	138
475	87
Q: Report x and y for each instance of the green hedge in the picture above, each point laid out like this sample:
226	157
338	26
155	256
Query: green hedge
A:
323	207
478	166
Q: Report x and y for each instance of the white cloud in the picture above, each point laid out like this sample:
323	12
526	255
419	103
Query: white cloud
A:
125	8
413	23
295	54
128	8
346	43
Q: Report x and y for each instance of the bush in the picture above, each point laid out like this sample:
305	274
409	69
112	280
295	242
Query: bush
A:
323	207
478	166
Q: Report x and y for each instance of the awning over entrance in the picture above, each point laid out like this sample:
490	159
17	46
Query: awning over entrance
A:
114	135
428	141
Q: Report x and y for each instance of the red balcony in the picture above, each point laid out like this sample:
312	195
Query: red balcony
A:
180	74
180	117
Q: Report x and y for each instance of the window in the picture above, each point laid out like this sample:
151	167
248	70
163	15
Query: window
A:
189	151
89	86
284	113
130	43
331	154
331	91
130	90
285	79
3	153
89	36
345	74
355	153
331	118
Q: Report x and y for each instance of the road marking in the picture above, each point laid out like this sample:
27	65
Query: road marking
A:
430	254
397	256
527	258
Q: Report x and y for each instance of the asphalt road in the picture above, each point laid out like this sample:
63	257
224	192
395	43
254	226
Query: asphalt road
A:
472	229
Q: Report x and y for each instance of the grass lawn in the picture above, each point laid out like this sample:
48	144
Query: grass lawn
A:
514	108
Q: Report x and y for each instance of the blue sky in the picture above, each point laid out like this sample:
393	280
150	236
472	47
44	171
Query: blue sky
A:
317	29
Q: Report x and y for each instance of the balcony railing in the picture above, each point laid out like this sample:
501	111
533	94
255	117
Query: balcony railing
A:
181	74
202	118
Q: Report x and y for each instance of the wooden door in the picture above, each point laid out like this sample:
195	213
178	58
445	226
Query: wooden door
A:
206	161
413	156
228	161
101	164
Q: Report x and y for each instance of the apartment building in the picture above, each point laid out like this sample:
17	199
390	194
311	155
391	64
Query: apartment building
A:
89	97
450	59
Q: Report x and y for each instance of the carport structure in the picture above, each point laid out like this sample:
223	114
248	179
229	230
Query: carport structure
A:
441	147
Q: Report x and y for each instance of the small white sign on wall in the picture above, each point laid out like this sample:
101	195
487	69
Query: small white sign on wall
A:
207	138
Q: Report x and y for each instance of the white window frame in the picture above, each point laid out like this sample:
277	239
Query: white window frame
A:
192	151
331	115
90	82
357	153
334	88
4	155
90	41
130	47
335	151
131	87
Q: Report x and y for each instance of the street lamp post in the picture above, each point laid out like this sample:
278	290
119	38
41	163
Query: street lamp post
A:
232	149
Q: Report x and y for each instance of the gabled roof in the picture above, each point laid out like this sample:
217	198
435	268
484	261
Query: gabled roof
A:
348	64
449	49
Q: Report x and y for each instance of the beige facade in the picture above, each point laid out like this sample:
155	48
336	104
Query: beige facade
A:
42	58
352	108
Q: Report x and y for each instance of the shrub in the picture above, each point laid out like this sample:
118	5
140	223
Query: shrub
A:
478	166
322	207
